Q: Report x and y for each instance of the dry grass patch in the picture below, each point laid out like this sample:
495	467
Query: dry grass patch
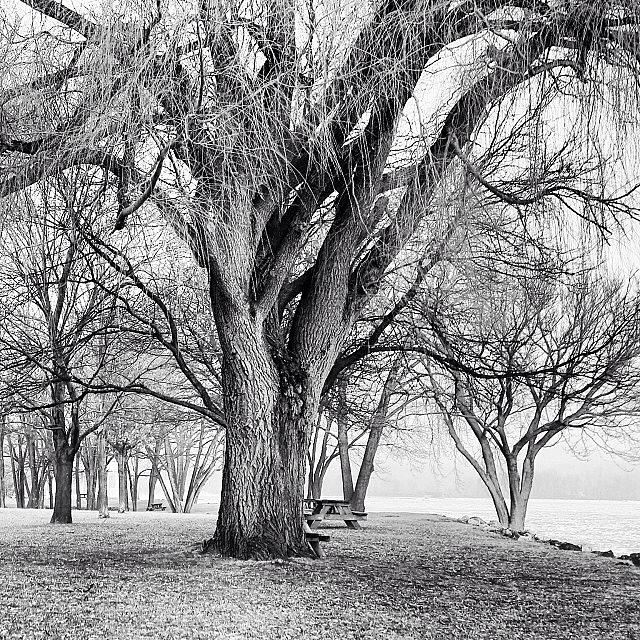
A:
139	575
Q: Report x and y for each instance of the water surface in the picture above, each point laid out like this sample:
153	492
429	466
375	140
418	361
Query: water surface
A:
598	524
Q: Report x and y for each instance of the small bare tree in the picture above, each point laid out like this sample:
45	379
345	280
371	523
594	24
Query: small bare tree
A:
534	361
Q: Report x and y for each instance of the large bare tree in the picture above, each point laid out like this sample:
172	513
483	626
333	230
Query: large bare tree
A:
266	136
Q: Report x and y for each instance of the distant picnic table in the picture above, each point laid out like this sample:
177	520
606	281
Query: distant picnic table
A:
330	509
156	506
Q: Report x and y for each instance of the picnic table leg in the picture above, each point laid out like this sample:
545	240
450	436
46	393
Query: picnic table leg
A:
351	524
314	524
316	547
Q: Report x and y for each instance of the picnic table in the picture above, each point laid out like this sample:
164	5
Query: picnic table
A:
330	509
156	506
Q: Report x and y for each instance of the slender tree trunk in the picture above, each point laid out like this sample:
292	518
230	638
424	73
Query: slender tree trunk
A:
77	477
50	483
14	470
36	472
343	442
495	491
133	481
3	485
17	470
153	478
378	423
103	498
89	460
41	486
123	485
171	463
168	494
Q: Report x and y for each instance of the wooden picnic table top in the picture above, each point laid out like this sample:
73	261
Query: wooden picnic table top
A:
327	501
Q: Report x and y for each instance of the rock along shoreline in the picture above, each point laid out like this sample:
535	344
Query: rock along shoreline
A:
494	526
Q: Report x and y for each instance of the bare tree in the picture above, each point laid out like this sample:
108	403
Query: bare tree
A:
263	136
580	342
184	451
52	314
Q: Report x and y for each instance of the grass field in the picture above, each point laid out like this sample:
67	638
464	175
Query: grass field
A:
139	575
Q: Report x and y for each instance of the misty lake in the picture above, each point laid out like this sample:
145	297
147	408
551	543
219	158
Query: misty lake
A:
598	524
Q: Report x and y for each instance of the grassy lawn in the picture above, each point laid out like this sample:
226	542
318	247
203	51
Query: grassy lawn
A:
138	575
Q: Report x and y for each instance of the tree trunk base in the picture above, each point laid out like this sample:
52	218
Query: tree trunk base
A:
61	519
255	549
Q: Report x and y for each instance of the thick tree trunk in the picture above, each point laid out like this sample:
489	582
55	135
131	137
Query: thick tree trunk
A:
64	481
103	498
267	437
261	502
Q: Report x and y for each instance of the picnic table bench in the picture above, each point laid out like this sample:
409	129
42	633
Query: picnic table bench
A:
330	509
314	538
156	506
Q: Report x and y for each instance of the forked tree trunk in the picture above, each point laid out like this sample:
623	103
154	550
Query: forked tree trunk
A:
267	436
519	491
101	464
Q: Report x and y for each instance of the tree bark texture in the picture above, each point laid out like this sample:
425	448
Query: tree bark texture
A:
64	479
267	408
